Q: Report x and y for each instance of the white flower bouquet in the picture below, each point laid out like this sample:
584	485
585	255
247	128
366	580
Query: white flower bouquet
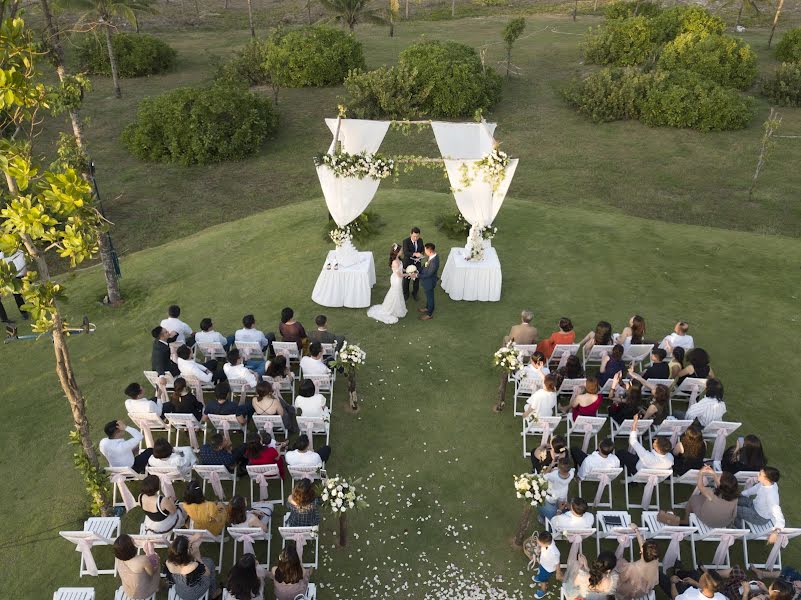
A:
350	356
359	165
340	235
339	495
507	358
411	269
532	487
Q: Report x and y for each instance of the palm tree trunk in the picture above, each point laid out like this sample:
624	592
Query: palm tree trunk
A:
407	10
391	26
453	8
775	21
575	10
250	19
739	13
112	60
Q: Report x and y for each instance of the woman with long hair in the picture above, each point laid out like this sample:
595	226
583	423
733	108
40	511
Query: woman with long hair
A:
715	506
161	513
633	333
278	373
289	577
303	505
698	366
601	336
747	455
628	405
637	579
268	401
689	452
290	329
246	579
587	402
139	573
189	573
183	401
240	516
659	406
545	456
611	364
595	581
565	335
205	514
260	450
676	363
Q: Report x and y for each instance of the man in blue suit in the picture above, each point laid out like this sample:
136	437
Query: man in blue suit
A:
428	280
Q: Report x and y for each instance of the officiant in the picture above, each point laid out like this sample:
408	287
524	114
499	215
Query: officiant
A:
412	255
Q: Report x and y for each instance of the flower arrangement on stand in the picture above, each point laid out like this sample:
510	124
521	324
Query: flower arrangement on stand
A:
342	164
489	232
530	487
506	360
340	235
340	497
350	357
475	245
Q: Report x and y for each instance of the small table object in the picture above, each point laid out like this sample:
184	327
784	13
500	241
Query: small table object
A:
345	286
472	280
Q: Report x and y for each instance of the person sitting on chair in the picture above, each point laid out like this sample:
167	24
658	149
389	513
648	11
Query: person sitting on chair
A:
217	451
138	403
234	369
322	335
161	357
222	404
302	453
679	337
578	517
205	373
313	364
603	458
183	401
565	335
659	457
249	333
121	452
164	455
310	403
658	369
523	333
290	329
173	323
207	335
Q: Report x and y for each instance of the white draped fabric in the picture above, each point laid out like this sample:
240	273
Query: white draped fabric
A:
358	135
464	140
478	202
471	280
346	286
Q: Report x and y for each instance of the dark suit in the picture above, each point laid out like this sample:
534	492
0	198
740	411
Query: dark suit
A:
160	360
428	279
409	248
326	337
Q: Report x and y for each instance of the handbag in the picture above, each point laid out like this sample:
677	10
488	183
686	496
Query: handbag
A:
531	549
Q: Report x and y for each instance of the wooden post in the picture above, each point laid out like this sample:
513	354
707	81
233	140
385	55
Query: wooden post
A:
343	529
501	392
522	527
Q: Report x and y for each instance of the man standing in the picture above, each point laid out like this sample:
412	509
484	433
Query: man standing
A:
428	277
412	255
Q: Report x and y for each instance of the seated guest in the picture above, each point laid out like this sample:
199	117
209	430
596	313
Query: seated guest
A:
278	373
223	405
240	516
161	357
658	369
559	479
164	455
611	364
572	370
534	368
715	506
267	402
183	401
689	452
657	409
290	579
698	368
204	513
637	579
249	333
310	402
302	453
173	323
138	403
188	573
602	336
707	589
217	451
246	579
587	402
709	408
542	402
679	337
578	517
192	370
140	574
322	335
676	361
659	457
633	333
260	450
290	329
625	406
120	452
523	333
313	363
234	369
747	455
603	458
549	454
595	581
780	589
161	513
565	335
208	335
759	504
303	505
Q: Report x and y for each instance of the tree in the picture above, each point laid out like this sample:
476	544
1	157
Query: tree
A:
49	215
392	13
512	31
453	8
352	12
779	6
751	5
769	129
250	19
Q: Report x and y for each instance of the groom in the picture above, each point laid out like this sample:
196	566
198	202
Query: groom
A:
428	279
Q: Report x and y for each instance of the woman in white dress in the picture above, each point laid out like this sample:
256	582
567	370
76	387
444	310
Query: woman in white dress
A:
394	306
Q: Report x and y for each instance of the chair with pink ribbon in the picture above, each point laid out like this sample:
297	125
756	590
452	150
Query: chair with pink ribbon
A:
719	431
524	388
209	350
587	427
121	595
570	387
97	531
288	349
534	425
305	472
242	389
167	476
261	476
301	536
147	423
561	352
623	430
272	424
690	389
215	475
594	355
690	478
675	534
604	477
74	593
323	384
207	537
173	595
312	426
119	478
148	542
188	423
637	354
575	537
615	525
248	536
722	536
227	424
761	533
161	383
651	478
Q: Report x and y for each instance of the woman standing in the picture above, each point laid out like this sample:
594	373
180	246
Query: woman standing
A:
190	574
637	579
139	573
594	582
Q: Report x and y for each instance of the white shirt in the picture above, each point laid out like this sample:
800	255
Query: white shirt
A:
240	371
766	502
597	461
531	372
312	407
209	337
693	593
312	366
189	368
141	405
182	459
543	402
251	335
120	452
550	557
303	459
685	341
570	520
706	410
648	458
178	326
558	487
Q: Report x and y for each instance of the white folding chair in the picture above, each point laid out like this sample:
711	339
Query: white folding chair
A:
302	535
604	477
651	478
173	595
525	349
97	531
615	525
209	350
689	390
174	350
569	387
595	354
575	537
250	351
158	389
606	388
674	533
121	595
637	353
143	540
543	426
248	536
147	423
760	533
312	426
324	384
329	350
588	427
167	476
208	536
272	424
561	352
216	474
119	478
227	424
668	383
672	428
283	385
261	476
74	593
688	478
524	388
624	429
198	387
723	536
188	423
746	478
289	349
306	472
719	431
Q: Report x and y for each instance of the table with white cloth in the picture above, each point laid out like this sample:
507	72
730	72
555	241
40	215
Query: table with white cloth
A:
472	280
345	286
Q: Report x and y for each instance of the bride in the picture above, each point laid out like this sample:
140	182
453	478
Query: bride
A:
394	306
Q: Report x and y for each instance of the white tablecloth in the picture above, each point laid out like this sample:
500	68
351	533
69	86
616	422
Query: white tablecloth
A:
349	287
471	280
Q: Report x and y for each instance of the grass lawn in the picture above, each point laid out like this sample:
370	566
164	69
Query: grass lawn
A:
437	463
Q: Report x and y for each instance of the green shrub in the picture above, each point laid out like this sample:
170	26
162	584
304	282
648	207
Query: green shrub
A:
367	225
684	99
137	54
624	10
200	125
387	93
312	56
789	47
247	67
721	58
611	94
452	225
784	88
452	73
620	42
684	19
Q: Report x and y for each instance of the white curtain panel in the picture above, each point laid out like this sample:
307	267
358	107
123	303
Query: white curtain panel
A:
346	197
464	140
358	135
477	202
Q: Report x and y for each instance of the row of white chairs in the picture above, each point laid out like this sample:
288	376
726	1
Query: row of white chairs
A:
87	593
635	353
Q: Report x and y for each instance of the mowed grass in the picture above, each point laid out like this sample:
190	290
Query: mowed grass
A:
425	427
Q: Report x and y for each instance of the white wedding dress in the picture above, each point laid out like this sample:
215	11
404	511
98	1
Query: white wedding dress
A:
394	306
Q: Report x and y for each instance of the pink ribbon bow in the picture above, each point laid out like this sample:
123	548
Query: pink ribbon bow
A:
546	433
216	485
673	551
166	484
198	389
563	359
84	546
674	435
161	391
726	541
623	542
603	482
300	541
653	481
226	433
720	445
693	395
264	492
119	480
247	543
781	542
145	427
243	394
310	430
587	435
149	547
190	429
575	547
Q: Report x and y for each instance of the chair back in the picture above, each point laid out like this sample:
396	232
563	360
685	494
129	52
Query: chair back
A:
322	383
74	593
637	353
305	472
594	355
248	350
568	386
290	349
313	425
183	421
329	350
210	350
561	351
527	349
270	423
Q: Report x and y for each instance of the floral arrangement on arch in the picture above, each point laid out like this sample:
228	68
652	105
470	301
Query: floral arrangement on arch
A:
489	232
491	168
531	487
340	236
374	166
507	358
339	495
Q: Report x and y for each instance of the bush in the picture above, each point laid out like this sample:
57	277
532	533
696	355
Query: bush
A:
453	225
720	58
624	10
684	99
200	125
789	47
684	19
137	55
367	225
452	73
312	56
785	87
247	67
611	94
621	42
387	93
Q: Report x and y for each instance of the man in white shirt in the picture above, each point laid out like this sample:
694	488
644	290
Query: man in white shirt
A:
679	337
577	517
138	403
303	455
759	504
249	333
234	369
17	262
657	458
603	458
313	364
173	323
707	589
207	335
189	368
120	452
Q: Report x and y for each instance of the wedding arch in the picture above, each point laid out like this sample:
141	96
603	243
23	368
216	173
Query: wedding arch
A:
350	173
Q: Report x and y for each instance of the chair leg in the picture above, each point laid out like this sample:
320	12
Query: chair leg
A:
745	552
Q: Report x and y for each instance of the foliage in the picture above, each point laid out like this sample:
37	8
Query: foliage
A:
685	19
512	31
362	228
342	164
453	225
20	96
138	54
491	168
200	125
350	357
70	155
95	480
789	47
767	144
388	93
784	89
247	67
718	57
623	10
69	93
611	94
312	57
352	12
621	42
